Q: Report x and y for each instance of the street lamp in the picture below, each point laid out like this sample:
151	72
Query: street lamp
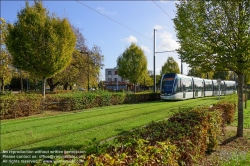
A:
88	66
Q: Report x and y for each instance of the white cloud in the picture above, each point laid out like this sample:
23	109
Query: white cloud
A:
130	39
158	27
145	49
167	43
164	1
104	11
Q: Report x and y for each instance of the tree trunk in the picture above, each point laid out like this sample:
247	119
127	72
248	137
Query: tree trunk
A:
44	87
51	85
65	86
240	105
134	87
70	88
21	81
35	81
2	87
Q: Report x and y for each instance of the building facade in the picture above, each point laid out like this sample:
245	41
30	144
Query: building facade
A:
111	74
114	82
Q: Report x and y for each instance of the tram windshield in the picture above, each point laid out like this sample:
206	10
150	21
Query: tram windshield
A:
167	84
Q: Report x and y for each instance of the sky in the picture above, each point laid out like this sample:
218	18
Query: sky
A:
114	25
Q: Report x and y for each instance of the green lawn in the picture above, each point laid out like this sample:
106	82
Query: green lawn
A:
246	112
74	130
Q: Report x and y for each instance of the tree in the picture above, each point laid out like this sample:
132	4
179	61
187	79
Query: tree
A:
5	58
214	35
40	43
170	66
85	63
132	64
147	80
197	72
224	75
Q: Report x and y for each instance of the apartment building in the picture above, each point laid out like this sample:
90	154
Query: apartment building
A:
111	74
114	82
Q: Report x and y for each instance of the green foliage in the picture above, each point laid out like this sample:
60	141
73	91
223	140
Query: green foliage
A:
193	131
228	108
205	29
147	80
214	35
132	64
197	72
69	101
170	66
40	43
137	152
141	97
5	58
224	75
15	106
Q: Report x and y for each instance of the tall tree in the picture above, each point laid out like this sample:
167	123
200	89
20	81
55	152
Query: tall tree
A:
170	66
40	43
132	64
224	75
5	58
147	80
214	35
198	72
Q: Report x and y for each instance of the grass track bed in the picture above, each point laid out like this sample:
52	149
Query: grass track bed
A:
75	129
62	129
20	125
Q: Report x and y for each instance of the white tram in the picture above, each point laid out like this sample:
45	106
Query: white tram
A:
180	87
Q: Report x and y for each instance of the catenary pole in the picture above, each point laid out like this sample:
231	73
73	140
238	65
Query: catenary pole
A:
154	65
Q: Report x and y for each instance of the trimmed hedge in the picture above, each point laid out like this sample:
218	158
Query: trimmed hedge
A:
194	132
79	100
18	105
14	106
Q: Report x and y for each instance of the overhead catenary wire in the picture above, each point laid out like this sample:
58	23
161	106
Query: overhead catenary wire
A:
117	22
162	9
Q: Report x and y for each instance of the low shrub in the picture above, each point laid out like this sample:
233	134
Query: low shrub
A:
228	109
162	154
193	131
19	105
141	97
79	100
25	104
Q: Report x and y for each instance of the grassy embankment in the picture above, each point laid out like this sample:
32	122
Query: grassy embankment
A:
77	129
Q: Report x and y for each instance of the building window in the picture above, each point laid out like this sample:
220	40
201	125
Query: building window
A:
109	73
115	79
116	72
109	79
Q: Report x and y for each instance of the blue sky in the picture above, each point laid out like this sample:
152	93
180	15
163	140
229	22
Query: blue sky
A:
140	18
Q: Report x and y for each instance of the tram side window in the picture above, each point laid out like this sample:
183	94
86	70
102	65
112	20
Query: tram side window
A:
208	86
230	87
178	85
187	85
215	87
198	84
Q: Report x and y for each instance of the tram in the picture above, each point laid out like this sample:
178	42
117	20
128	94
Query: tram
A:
180	87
